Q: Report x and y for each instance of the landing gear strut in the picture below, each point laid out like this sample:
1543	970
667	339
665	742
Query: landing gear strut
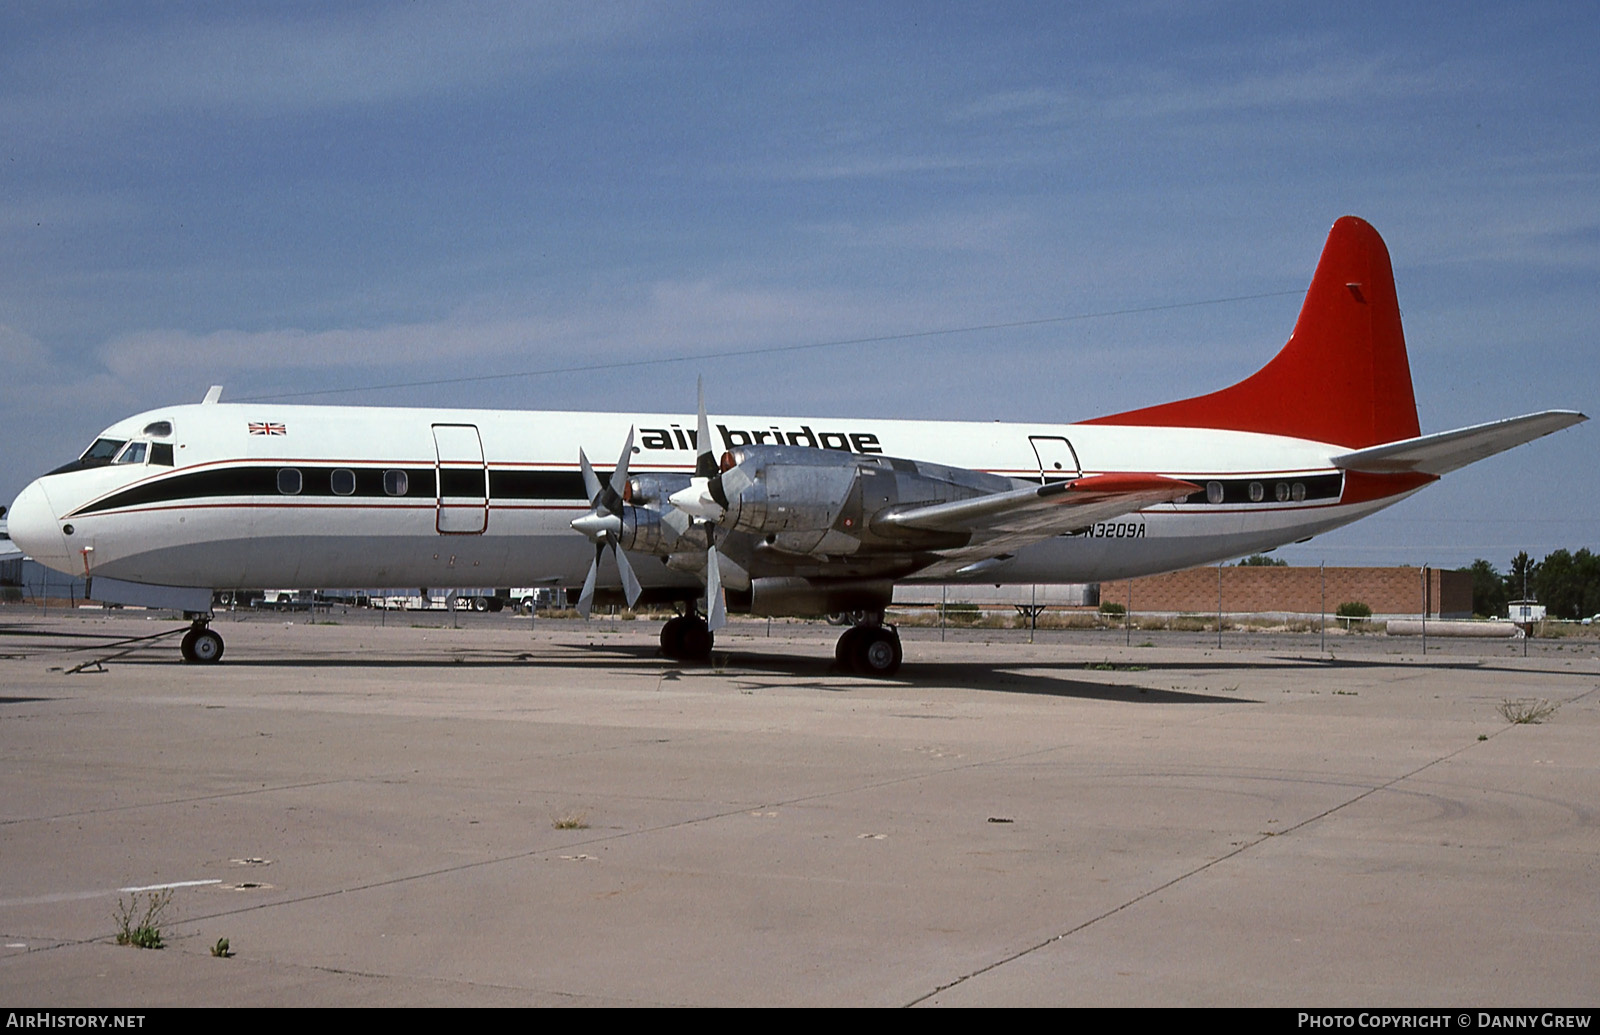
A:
870	649
687	638
201	646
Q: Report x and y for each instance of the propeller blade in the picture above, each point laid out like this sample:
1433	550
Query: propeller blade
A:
716	606
735	480
586	598
677	520
619	477
630	581
705	463
591	482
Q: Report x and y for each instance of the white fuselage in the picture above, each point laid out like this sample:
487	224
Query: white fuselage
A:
224	515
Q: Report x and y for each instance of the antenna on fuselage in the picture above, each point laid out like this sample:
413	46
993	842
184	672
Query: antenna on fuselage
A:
212	395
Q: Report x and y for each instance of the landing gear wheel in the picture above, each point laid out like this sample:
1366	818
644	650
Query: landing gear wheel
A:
844	651
870	651
672	637
686	638
201	646
697	641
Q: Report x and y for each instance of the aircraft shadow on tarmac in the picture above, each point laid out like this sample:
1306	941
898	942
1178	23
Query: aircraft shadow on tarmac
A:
755	671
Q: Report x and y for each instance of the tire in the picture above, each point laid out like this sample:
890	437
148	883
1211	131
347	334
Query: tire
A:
205	648
672	637
186	646
697	641
878	653
844	651
480	604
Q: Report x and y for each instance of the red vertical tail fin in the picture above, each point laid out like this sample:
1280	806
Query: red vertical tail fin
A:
1342	378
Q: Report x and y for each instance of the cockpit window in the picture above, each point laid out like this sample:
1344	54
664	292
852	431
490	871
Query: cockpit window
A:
158	429
103	450
133	453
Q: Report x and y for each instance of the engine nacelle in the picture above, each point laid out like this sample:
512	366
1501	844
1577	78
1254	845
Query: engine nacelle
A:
790	491
822	501
791	596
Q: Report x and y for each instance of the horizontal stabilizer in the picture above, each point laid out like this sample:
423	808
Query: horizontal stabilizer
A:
1449	450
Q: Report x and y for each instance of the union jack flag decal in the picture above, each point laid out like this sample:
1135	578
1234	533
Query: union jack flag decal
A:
268	428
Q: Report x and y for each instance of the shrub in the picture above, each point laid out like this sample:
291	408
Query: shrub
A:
1353	609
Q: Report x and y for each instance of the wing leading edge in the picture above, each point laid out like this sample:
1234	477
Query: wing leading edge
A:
1006	520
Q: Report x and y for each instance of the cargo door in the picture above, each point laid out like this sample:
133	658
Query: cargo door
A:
1058	461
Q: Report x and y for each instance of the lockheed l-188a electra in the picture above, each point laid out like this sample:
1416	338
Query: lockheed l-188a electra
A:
788	516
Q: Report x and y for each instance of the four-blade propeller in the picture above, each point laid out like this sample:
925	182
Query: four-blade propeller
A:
603	525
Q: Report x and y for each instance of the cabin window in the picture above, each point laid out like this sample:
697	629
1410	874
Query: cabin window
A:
161	453
159	429
132	453
1297	491
1213	492
103	450
1257	492
342	481
395	483
1281	491
289	481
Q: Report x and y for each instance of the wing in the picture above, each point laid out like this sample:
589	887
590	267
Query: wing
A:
1004	521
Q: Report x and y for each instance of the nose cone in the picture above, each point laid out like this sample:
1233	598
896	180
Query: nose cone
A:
34	528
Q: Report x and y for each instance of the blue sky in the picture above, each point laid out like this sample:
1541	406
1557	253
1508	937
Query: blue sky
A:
304	196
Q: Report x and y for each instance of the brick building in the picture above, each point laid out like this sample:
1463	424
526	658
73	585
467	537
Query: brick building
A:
1251	589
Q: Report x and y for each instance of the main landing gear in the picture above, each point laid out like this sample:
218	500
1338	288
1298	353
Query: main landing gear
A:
687	638
201	646
870	648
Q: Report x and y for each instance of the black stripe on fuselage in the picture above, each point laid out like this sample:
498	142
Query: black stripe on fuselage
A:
522	484
317	482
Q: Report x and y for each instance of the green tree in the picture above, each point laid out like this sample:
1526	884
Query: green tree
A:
1557	585
1488	589
1261	560
1522	578
1587	568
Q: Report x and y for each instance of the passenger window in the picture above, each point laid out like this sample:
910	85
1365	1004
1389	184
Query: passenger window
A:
1257	492
289	481
395	483
161	453
1297	492
133	453
1281	491
1213	492
342	481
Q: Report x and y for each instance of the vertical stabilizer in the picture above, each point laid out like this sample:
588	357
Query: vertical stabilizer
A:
1342	378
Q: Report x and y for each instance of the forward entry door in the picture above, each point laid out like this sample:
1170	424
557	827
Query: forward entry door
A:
463	480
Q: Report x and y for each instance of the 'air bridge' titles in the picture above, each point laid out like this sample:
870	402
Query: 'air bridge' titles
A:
676	437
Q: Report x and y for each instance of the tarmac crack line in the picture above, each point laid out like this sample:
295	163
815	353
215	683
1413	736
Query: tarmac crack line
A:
1203	867
172	801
